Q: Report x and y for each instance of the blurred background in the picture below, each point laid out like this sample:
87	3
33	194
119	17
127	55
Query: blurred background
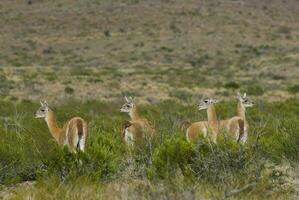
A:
150	49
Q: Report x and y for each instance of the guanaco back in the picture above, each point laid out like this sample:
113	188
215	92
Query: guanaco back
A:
74	132
138	127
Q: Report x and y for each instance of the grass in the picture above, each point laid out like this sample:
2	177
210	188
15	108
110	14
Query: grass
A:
166	165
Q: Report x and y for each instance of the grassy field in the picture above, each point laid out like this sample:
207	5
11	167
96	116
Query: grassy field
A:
84	56
167	167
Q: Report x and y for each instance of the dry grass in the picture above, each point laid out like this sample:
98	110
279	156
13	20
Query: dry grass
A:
148	48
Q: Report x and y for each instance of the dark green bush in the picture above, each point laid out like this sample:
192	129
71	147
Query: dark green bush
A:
232	85
69	90
294	89
254	90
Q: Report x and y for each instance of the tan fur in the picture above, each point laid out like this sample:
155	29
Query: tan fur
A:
241	113
213	127
134	128
234	127
213	122
72	132
197	129
138	126
206	128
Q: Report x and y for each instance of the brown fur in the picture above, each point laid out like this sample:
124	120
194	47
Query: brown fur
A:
241	113
213	127
138	126
124	126
196	129
233	126
185	124
71	133
206	128
137	130
242	128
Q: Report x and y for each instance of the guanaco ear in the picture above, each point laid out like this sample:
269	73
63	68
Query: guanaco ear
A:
126	99
45	103
131	99
41	103
244	96
239	96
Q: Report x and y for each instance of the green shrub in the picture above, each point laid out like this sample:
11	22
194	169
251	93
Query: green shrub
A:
69	90
282	140
224	162
5	85
171	155
294	89
181	94
254	90
232	85
199	61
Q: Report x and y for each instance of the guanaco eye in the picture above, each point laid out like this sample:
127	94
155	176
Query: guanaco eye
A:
43	110
206	101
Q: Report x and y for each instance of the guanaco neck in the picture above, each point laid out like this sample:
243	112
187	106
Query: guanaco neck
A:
241	110
52	125
211	111
134	114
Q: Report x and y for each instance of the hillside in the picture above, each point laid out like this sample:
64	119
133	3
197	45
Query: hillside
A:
155	50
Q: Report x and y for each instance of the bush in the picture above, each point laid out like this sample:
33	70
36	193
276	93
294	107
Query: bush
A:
254	90
293	89
5	85
69	90
171	155
232	85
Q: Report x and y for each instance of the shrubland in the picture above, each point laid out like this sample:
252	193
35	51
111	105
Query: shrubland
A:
165	167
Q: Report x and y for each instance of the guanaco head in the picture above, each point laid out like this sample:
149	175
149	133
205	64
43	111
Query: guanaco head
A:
128	106
43	110
244	100
205	102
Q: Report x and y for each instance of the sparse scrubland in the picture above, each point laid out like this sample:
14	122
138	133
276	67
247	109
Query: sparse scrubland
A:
84	56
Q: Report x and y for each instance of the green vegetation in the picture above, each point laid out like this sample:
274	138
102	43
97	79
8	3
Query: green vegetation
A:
69	90
294	89
29	153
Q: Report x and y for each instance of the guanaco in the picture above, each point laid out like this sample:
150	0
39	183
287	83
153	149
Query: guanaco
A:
234	126
73	134
205	128
243	103
137	127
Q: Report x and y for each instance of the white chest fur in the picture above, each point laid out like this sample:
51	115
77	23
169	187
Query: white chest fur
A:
129	137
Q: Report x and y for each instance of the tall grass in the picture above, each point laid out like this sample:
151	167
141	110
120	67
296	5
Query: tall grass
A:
29	153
